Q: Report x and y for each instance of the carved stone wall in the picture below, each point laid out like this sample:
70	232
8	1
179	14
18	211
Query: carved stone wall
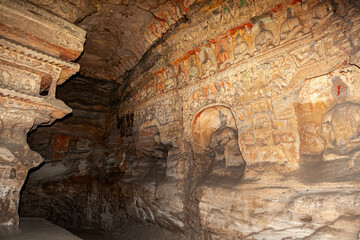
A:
282	86
246	127
25	72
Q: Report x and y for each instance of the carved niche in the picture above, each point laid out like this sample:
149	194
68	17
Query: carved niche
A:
215	143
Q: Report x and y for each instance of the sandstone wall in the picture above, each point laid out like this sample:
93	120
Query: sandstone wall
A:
67	184
256	106
36	50
245	127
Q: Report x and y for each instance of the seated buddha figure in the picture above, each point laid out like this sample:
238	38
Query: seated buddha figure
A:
340	130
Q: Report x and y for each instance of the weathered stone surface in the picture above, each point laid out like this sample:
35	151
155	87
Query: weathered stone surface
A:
282	87
33	27
121	32
73	11
24	74
244	126
71	148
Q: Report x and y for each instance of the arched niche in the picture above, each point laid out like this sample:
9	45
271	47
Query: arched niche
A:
215	142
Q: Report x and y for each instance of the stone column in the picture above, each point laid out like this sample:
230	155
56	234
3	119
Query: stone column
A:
35	53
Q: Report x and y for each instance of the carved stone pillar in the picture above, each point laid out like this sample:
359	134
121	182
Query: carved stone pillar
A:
35	53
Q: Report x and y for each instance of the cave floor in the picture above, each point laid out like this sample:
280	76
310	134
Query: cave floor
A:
90	234
130	231
33	228
41	229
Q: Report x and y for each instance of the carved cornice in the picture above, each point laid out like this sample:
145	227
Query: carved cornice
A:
47	67
56	109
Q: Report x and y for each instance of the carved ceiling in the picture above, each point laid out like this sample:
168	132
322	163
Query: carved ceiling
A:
119	32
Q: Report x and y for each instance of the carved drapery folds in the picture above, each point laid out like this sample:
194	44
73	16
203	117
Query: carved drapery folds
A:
25	72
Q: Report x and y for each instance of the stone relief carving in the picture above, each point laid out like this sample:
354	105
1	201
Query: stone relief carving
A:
226	147
5	78
24	73
340	90
215	143
241	50
194	72
291	27
170	78
265	38
256	77
160	83
50	70
340	129
262	94
153	155
239	44
20	81
181	77
208	61
321	13
223	56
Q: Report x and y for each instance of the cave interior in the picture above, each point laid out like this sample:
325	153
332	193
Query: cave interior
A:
180	119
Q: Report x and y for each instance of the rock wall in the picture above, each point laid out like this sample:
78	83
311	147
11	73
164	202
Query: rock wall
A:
258	118
245	127
36	50
64	187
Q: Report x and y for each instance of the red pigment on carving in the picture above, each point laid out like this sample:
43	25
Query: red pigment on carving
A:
205	91
339	90
222	84
160	71
38	43
197	116
213	40
60	142
161	20
213	89
296	1
241	26
277	8
198	95
187	55
223	37
183	5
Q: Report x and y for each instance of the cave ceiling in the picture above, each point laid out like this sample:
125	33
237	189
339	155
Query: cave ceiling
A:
119	32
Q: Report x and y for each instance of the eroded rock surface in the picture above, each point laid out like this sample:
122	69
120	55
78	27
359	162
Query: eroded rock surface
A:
33	58
244	126
72	149
121	32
